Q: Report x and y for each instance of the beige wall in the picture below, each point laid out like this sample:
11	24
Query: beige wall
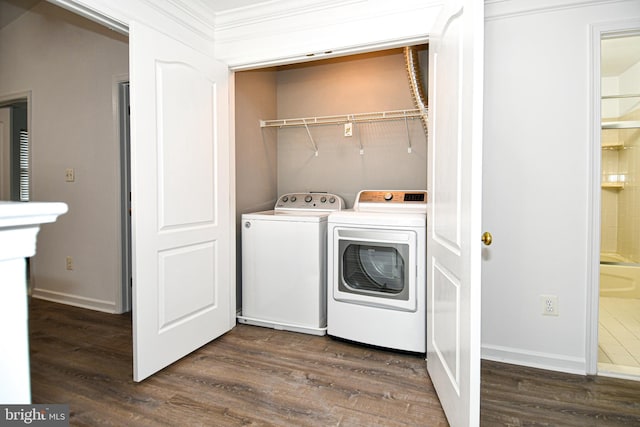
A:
70	66
256	163
356	84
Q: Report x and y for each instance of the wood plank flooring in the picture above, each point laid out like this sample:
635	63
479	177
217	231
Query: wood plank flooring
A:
262	377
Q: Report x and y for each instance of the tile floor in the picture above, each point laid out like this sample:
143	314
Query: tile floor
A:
619	336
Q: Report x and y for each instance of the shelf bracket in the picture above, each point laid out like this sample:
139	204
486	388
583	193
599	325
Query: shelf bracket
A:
357	132
313	143
406	125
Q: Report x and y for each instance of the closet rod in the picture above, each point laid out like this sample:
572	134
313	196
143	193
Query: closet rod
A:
345	118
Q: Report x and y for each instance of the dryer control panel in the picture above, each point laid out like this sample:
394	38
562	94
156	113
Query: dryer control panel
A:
309	202
391	201
383	196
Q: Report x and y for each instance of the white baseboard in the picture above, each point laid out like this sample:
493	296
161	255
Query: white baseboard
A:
77	301
532	359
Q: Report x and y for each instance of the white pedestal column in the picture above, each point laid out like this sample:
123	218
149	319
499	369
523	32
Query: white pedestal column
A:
19	226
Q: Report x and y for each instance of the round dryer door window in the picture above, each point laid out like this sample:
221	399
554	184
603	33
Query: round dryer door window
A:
379	270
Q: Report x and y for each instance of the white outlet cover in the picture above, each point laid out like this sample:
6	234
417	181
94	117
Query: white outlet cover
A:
549	305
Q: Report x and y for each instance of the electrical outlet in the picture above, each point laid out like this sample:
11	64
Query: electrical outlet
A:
348	129
69	175
549	305
69	263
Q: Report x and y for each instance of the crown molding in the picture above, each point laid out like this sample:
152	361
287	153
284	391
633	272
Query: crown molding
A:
286	31
186	14
290	16
275	10
501	9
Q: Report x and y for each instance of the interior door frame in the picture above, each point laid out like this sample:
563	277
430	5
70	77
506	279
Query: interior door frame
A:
121	89
598	32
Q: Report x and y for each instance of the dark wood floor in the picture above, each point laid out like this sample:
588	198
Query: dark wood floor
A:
257	376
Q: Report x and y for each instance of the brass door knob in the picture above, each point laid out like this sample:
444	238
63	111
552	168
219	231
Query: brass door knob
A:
487	238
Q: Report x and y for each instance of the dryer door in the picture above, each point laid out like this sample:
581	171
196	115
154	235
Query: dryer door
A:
376	267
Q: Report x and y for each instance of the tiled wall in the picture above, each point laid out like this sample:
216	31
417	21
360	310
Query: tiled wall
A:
629	197
620	221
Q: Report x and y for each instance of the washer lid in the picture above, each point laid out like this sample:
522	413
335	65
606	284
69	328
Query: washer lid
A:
290	216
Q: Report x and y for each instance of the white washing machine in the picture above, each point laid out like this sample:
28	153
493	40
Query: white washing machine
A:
284	263
376	258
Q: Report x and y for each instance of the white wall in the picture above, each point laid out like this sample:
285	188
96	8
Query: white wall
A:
70	65
537	169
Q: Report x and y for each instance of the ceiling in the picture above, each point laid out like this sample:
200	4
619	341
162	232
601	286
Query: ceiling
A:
216	6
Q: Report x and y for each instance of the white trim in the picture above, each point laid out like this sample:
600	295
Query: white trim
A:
504	9
184	15
534	359
94	15
598	31
10	97
274	10
593	216
334	53
276	35
77	301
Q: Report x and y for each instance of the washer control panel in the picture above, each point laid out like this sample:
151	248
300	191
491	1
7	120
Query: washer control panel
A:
310	201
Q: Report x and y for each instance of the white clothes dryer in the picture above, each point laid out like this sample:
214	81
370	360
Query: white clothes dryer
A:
376	266
284	263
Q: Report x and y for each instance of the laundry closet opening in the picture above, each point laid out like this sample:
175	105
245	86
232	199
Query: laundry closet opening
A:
340	158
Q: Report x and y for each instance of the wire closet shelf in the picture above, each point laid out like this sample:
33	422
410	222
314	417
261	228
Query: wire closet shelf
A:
347	118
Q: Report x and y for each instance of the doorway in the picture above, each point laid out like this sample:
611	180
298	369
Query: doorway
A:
14	150
74	150
15	154
619	276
